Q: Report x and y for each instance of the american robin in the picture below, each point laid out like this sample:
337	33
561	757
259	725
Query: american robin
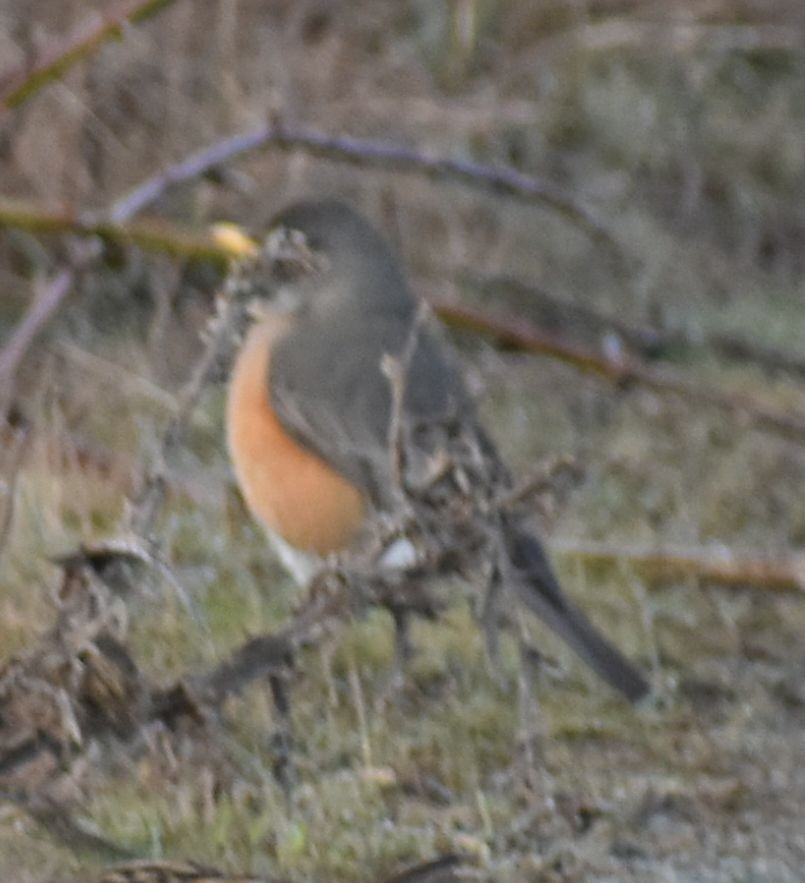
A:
312	411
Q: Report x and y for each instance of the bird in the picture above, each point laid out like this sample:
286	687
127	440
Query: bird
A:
344	404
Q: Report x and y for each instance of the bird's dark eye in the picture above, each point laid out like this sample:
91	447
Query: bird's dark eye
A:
285	270
290	255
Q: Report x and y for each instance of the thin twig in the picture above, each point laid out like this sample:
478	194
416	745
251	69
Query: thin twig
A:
52	294
440	870
17	446
443	870
623	370
151	235
107	694
540	481
360	710
220	343
500	180
517	333
714	564
396	369
124	378
583	322
332	598
44	306
168	871
20	83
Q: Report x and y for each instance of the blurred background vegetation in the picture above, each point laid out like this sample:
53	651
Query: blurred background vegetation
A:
681	124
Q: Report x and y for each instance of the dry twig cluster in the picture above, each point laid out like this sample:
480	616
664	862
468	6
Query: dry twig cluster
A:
80	686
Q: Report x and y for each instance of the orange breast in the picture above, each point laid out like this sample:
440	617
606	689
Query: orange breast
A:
289	489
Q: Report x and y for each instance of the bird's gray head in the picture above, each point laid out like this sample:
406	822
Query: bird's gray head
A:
325	259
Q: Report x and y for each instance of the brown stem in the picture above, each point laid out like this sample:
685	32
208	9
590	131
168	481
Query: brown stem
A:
17	442
497	179
516	333
583	322
523	335
501	180
114	226
44	306
222	332
714	564
20	83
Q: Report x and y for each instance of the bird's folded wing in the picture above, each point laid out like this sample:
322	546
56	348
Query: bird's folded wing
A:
330	391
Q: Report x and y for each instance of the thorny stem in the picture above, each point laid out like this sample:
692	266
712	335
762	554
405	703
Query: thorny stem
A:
223	330
19	84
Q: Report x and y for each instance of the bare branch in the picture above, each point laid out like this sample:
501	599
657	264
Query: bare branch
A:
442	870
79	684
522	335
151	235
220	344
586	323
104	370
712	564
539	482
500	180
21	83
168	871
44	306
396	369
53	293
513	332
17	445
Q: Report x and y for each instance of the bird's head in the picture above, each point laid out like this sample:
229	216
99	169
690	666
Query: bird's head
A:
324	259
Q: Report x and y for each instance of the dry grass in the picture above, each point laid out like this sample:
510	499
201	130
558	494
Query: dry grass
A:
694	158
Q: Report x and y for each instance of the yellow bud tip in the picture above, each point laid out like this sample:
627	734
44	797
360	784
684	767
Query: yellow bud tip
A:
234	240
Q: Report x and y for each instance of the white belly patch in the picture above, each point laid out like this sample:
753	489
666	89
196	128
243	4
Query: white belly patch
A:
303	566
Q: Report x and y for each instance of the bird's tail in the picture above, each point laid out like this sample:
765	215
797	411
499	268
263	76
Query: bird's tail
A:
539	590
